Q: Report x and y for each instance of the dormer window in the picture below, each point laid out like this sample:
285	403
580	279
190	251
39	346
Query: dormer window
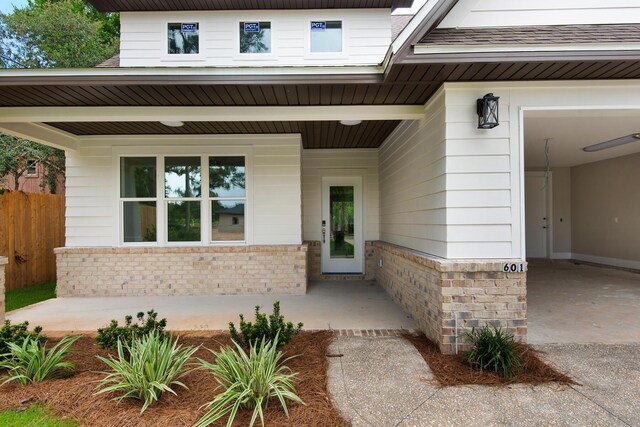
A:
326	36
183	38
255	37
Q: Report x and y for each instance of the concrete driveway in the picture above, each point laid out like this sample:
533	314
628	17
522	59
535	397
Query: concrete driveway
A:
569	303
327	305
385	382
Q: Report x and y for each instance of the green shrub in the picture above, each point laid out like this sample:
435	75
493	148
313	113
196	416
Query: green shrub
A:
265	327
109	336
152	364
17	334
31	362
494	349
249	381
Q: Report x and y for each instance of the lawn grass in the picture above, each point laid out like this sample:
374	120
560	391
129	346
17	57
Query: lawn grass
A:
34	416
19	298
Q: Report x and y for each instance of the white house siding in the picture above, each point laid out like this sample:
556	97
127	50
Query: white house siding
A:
366	38
92	215
334	163
485	168
412	183
506	13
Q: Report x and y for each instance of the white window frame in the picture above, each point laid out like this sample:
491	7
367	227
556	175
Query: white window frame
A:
248	56
327	55
182	57
166	200
160	153
122	200
35	166
229	199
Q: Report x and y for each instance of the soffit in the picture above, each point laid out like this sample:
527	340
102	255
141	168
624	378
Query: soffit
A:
315	134
176	5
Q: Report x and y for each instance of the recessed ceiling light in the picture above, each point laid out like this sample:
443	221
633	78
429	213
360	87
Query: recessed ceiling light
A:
172	123
634	137
350	122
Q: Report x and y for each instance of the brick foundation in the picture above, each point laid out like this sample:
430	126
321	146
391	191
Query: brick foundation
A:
314	263
3	262
229	270
448	297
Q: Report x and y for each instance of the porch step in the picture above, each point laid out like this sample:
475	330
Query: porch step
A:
342	277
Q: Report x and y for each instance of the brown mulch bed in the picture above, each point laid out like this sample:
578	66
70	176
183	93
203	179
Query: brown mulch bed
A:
74	396
452	370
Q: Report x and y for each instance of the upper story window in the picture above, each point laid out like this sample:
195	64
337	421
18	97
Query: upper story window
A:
32	168
255	37
183	38
326	36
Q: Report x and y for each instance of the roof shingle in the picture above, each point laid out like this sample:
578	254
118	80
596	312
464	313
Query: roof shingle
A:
547	34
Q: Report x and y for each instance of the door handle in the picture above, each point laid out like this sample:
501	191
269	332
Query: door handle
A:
544	226
324	231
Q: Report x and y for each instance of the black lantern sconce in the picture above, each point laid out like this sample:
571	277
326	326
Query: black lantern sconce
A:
488	111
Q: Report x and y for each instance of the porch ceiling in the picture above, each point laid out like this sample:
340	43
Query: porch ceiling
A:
315	134
406	84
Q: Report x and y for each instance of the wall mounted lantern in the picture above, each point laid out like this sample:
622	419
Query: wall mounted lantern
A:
488	111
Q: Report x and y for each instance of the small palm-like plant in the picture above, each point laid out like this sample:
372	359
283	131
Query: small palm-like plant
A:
146	368
494	349
249	381
31	362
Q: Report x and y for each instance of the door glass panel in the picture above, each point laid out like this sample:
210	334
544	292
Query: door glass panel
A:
341	204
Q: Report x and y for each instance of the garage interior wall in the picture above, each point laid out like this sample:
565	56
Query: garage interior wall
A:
605	201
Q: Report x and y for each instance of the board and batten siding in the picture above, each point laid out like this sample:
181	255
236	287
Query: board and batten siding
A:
274	200
143	40
510	13
412	183
336	163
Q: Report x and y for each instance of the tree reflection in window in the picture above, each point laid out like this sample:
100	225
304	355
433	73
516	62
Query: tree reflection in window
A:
184	38
258	41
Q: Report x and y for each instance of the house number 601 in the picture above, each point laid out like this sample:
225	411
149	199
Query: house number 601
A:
513	268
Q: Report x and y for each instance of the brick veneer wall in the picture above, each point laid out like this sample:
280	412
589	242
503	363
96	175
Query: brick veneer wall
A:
3	262
314	263
238	270
448	297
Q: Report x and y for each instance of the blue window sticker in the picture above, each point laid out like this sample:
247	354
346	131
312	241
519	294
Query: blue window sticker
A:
251	27
318	25
189	28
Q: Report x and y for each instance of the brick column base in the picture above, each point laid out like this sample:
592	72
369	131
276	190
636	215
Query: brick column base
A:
219	270
448	297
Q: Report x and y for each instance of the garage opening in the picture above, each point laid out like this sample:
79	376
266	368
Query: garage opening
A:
582	225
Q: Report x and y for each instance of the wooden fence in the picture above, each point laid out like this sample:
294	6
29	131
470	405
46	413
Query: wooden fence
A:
31	226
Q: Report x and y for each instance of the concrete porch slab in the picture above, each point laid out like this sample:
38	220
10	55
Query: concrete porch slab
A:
327	305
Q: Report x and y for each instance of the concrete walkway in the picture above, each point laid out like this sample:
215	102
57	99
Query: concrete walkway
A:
327	305
385	382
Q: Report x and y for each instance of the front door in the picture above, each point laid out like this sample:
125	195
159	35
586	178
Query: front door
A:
342	242
536	216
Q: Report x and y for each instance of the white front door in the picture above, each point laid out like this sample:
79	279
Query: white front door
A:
536	215
342	240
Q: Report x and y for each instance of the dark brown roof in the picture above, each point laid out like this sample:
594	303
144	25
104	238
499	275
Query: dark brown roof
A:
171	5
113	62
316	134
548	34
398	22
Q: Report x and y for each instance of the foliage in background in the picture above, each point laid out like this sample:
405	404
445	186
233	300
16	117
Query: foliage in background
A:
35	415
17	334
19	298
16	153
109	336
154	364
249	381
57	33
272	328
494	349
31	362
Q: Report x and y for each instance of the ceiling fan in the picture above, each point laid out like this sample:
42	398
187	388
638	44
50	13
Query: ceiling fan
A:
613	143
